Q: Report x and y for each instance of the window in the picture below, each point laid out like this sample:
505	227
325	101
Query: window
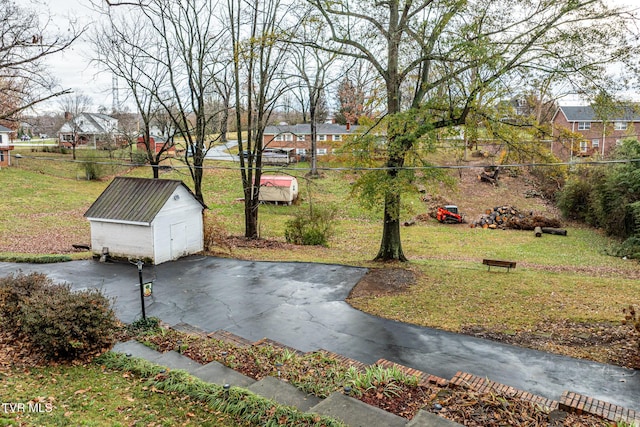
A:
322	137
321	151
300	137
620	126
337	137
595	143
288	137
301	151
583	146
1	156
279	137
584	125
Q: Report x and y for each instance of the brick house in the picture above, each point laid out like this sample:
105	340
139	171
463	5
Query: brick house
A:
5	147
596	137
298	137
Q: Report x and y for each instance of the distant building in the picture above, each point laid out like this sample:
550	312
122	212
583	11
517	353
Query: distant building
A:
5	146
298	137
92	129
596	136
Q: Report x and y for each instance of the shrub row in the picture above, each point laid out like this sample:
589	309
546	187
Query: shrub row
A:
61	323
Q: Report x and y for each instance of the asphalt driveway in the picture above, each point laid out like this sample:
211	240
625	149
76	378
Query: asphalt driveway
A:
302	305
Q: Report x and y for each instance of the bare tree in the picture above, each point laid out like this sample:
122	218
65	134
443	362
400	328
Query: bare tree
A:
127	50
313	66
258	58
73	105
449	51
27	40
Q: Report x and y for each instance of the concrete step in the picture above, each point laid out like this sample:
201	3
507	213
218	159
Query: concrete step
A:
284	393
355	413
135	349
427	419
217	373
174	360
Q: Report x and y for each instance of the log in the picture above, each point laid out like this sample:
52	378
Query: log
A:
554	231
538	231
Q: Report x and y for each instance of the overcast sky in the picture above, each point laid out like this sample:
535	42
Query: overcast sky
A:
74	70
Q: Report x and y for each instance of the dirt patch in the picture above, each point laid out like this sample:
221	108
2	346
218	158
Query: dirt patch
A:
384	281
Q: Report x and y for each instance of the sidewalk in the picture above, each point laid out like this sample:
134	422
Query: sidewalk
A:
302	306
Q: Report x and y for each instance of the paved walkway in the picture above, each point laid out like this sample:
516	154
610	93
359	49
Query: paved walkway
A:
302	305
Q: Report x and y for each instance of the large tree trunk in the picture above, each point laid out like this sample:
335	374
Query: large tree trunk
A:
251	218
391	245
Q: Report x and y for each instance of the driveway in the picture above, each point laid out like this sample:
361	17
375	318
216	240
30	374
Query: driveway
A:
302	305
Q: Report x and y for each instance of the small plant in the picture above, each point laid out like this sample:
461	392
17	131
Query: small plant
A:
310	228
148	326
92	165
632	319
387	380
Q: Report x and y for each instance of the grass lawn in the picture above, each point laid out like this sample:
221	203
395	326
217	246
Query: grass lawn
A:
557	278
92	395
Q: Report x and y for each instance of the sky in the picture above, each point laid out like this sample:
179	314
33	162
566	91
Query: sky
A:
74	70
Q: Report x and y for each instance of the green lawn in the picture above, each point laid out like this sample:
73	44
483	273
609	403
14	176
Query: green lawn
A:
92	395
556	278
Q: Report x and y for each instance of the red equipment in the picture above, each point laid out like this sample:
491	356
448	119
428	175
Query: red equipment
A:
449	215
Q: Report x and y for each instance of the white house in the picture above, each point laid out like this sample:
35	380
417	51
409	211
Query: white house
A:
5	146
156	220
88	128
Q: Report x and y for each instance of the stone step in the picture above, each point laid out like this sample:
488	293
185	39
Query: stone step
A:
135	349
427	419
217	373
174	360
284	393
355	413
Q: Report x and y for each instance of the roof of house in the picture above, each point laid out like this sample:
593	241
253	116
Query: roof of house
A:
89	123
134	199
277	180
5	129
588	114
305	129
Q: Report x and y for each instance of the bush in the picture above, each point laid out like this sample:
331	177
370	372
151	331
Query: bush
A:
92	165
630	249
310	228
63	324
573	200
13	291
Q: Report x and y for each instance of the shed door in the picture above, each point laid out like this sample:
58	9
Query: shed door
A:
178	240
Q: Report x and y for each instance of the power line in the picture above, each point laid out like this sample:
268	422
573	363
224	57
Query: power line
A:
344	168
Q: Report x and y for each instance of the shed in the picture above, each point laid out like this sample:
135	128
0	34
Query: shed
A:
278	188
154	219
5	147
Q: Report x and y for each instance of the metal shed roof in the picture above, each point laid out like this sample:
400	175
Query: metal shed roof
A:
5	129
133	199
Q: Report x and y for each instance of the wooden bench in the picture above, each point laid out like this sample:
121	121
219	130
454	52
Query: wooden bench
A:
498	263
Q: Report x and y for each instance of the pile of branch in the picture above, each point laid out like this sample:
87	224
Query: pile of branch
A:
433	203
490	175
531	222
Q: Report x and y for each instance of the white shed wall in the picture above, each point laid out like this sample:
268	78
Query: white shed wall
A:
123	240
178	228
